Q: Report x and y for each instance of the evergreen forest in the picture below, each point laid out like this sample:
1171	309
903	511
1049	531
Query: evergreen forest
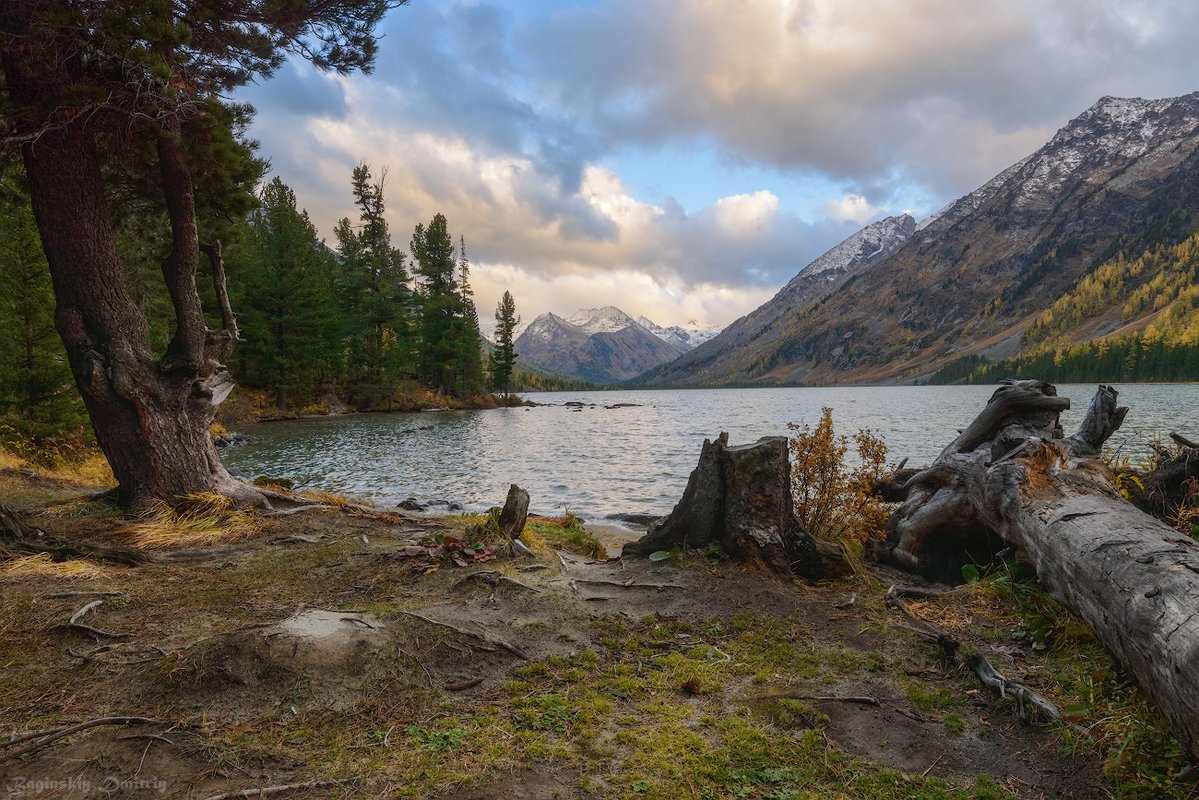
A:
362	324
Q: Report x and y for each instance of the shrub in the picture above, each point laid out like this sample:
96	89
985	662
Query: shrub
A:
833	500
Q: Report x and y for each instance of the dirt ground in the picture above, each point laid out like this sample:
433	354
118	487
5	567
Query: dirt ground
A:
313	656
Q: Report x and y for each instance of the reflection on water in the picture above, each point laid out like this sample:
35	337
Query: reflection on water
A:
598	461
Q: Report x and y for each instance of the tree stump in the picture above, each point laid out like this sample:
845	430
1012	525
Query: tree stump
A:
513	517
739	498
1011	479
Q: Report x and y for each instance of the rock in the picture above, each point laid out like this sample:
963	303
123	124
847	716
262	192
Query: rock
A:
411	504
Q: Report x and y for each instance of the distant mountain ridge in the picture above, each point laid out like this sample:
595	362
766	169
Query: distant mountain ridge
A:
1122	177
600	345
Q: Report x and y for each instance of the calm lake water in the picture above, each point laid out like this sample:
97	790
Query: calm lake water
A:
599	461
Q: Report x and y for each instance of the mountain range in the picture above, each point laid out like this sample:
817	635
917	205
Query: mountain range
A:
604	345
897	301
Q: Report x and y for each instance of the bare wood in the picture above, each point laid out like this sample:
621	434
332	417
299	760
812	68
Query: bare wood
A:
228	318
630	584
79	614
266	791
1183	441
65	595
49	737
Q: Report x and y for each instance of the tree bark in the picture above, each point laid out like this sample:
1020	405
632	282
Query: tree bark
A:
151	419
1011	479
740	499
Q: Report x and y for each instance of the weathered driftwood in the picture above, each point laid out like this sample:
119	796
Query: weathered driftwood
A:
1011	480
740	499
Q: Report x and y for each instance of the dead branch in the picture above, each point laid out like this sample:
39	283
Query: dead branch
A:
65	595
90	631
630	584
462	686
492	578
47	738
266	791
79	614
986	673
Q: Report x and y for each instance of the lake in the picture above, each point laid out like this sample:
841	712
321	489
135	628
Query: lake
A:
599	461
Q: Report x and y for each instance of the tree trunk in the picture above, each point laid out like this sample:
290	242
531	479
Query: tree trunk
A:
1011	479
150	419
740	499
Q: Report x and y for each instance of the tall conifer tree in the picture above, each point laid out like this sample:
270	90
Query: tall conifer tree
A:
289	318
434	263
374	287
503	357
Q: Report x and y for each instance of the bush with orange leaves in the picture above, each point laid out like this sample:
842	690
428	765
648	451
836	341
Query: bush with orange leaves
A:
835	499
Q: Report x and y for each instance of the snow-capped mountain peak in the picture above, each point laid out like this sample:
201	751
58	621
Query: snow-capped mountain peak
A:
688	336
607	319
876	238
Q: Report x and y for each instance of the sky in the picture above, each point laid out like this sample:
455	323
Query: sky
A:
683	159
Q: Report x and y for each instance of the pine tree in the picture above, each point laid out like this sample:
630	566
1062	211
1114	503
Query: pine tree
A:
373	285
470	357
441	304
289	318
503	357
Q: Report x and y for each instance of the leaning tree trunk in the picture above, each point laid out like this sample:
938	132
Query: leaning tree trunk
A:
740	499
1011	479
150	416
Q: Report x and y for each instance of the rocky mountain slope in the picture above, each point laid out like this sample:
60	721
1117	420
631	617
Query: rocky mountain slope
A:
760	331
602	346
1120	178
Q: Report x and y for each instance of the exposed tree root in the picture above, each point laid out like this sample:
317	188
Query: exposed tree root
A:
1026	699
18	537
487	640
43	739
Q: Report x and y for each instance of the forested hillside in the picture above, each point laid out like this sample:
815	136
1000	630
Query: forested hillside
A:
1131	319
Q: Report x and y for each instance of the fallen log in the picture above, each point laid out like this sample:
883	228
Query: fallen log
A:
739	498
1011	479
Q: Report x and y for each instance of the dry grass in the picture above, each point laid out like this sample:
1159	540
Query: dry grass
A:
329	498
93	470
43	566
202	520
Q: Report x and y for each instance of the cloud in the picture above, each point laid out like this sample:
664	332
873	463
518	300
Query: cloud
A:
512	121
852	208
929	91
